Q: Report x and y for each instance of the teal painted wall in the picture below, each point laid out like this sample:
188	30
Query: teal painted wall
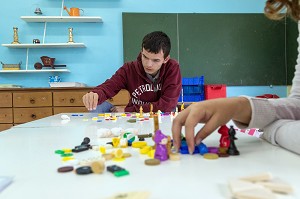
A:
104	52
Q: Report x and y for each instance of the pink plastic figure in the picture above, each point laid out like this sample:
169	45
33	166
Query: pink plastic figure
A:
224	140
161	151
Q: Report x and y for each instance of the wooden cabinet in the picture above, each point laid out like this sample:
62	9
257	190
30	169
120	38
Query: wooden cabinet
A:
6	99
20	105
32	99
22	115
68	98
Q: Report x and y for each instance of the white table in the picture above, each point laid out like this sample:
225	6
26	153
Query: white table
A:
27	153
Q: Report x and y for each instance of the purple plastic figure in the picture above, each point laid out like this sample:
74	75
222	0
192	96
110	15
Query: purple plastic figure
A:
161	140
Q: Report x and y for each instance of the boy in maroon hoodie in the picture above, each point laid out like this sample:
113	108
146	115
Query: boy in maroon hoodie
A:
153	78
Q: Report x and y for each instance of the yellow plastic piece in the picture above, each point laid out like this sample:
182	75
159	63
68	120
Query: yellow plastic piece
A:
107	115
94	118
101	114
151	153
67	150
102	149
115	141
67	158
138	144
145	149
118	159
123	115
118	153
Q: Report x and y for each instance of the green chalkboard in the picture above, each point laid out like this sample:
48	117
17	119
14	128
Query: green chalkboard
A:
232	49
292	45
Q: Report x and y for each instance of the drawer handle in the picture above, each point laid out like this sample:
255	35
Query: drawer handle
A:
72	100
33	116
32	101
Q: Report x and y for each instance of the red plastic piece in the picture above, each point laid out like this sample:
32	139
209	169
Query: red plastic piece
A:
224	140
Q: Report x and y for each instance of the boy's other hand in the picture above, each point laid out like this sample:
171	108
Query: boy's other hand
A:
90	100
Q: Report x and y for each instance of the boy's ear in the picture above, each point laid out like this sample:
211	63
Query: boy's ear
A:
167	59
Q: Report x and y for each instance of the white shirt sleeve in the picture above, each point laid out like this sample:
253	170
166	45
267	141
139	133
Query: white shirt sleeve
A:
279	118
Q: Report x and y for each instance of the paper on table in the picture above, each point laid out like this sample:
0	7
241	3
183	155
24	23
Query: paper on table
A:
5	181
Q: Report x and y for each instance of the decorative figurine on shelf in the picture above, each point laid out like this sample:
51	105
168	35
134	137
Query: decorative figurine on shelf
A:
161	151
38	11
71	35
224	140
36	41
232	150
16	37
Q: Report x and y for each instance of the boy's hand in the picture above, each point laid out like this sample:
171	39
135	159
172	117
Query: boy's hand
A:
90	100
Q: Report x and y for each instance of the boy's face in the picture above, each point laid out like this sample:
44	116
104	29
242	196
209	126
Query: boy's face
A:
152	62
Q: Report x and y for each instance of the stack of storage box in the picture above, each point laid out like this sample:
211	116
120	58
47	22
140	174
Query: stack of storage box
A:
192	89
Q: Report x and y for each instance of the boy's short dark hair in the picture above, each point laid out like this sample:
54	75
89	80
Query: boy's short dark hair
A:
156	41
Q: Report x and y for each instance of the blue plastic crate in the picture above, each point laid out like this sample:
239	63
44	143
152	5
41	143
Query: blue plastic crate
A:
198	80
193	97
185	81
192	89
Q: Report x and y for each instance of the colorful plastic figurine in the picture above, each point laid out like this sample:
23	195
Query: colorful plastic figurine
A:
176	112
159	116
224	140
202	148
83	147
161	151
151	111
182	107
232	150
141	112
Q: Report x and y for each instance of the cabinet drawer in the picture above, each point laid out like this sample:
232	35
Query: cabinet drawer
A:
122	98
22	115
57	110
32	99
5	126
68	98
6	99
6	115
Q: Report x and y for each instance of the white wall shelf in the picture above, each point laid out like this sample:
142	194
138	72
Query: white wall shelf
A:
62	19
45	20
46	45
35	71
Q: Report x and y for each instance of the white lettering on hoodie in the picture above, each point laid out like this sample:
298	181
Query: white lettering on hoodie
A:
143	89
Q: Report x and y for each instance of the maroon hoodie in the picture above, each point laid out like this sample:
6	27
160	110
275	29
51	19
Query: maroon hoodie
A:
132	77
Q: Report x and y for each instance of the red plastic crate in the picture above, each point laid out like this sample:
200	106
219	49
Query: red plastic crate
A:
213	91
